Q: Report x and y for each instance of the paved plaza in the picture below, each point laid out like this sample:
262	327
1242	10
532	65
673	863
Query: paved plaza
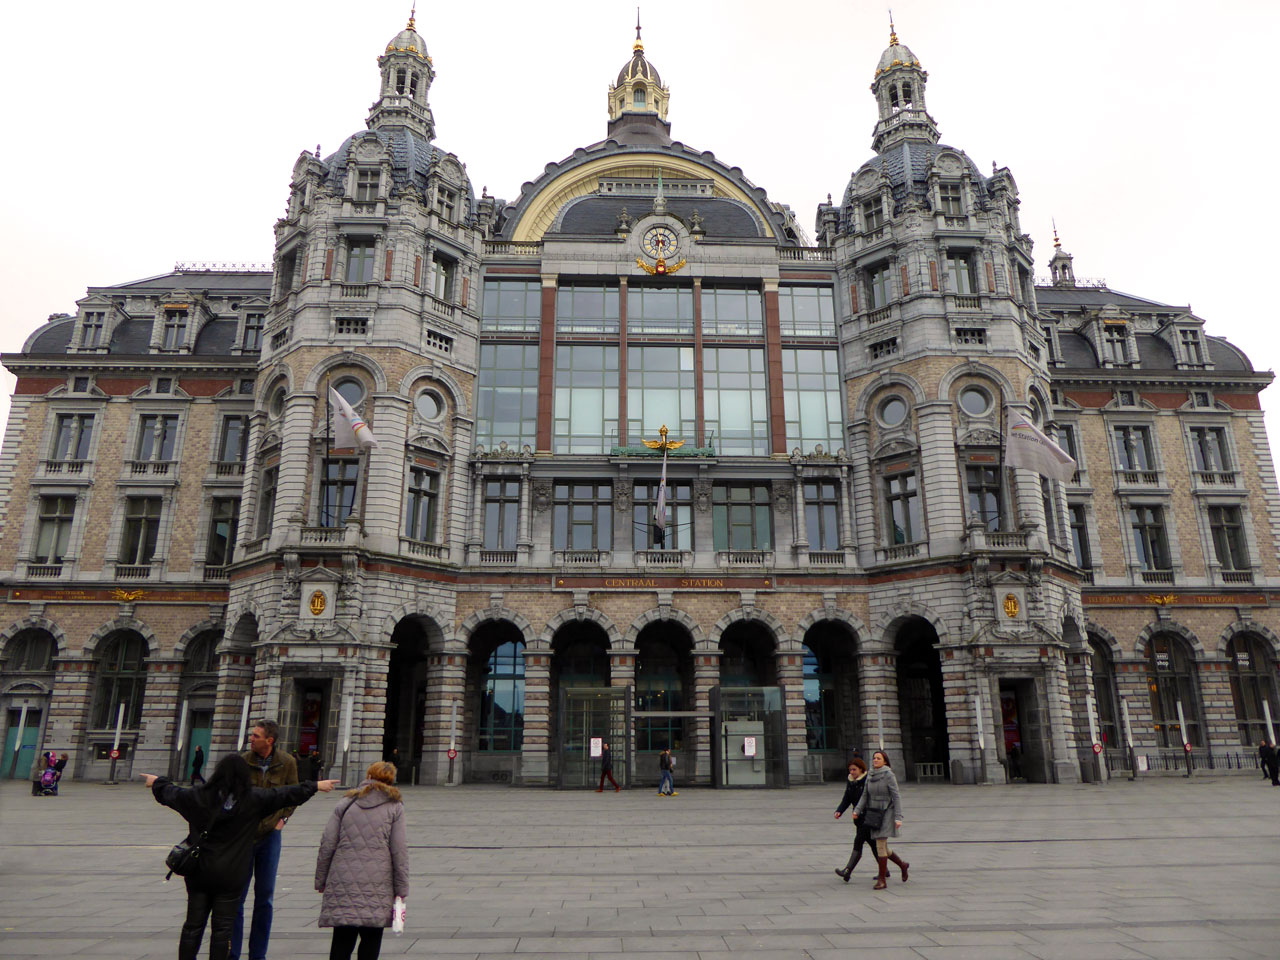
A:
1155	869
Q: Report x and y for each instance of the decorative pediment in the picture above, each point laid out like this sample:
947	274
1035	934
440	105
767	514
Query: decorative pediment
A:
867	181
980	437
430	442
896	447
367	148
320	575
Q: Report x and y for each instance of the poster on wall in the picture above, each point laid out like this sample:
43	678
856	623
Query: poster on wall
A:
309	722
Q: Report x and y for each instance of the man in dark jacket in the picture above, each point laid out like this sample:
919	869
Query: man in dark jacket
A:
606	769
197	765
1270	762
269	767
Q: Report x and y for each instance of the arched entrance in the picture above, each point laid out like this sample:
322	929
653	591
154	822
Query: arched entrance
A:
403	724
747	656
495	701
664	689
587	707
830	695
749	733
28	668
1253	683
1172	681
196	698
921	704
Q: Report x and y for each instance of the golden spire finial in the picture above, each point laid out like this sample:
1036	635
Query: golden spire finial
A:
1057	244
413	12
637	45
893	34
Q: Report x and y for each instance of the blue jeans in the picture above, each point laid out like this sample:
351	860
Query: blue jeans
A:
665	779
266	858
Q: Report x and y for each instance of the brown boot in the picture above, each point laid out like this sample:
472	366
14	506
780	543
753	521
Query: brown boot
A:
882	879
901	863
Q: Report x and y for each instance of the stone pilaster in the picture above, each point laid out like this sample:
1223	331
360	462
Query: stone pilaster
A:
535	754
878	698
69	710
159	724
1221	731
706	674
790	668
235	682
445	686
622	674
1062	728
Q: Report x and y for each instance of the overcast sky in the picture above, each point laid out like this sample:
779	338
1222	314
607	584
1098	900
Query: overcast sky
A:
140	134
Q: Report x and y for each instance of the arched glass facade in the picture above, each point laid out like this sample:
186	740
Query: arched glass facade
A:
1171	679
501	721
1253	683
122	679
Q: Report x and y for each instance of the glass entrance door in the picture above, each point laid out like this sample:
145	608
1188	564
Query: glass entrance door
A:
18	756
588	713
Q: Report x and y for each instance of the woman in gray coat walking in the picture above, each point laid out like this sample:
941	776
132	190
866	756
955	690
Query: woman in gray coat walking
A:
881	800
363	864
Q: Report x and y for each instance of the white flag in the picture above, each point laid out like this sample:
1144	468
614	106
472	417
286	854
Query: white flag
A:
1025	446
660	510
349	430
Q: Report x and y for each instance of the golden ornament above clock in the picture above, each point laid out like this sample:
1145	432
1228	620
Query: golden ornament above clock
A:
661	243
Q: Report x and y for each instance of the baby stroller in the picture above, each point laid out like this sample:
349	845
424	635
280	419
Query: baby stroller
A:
49	780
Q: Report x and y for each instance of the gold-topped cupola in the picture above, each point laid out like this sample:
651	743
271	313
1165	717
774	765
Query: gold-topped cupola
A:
637	99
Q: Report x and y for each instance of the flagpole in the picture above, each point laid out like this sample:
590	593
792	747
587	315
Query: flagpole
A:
328	443
1007	494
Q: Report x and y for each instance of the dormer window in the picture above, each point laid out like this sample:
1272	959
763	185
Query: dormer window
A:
951	200
252	340
174	334
1115	343
638	98
446	203
92	328
367	186
872	214
1192	350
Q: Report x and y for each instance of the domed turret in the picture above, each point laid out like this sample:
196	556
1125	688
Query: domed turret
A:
638	100
899	89
406	76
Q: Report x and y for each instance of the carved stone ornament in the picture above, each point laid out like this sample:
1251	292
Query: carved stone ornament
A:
292	571
541	496
981	438
781	496
702	495
623	496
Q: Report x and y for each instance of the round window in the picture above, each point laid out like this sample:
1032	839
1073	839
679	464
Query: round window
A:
428	405
975	401
276	406
351	391
893	411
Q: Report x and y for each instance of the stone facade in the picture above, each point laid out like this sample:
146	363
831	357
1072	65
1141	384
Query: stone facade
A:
189	549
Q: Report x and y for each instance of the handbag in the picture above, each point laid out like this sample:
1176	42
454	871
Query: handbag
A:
184	857
872	818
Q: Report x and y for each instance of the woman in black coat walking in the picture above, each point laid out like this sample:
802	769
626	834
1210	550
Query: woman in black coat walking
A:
230	809
853	788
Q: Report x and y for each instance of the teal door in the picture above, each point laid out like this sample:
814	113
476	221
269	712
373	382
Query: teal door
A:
201	736
20	767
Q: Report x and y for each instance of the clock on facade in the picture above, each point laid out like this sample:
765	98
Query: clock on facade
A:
660	242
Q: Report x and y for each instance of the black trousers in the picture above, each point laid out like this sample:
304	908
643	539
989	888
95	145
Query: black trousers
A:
344	941
201	904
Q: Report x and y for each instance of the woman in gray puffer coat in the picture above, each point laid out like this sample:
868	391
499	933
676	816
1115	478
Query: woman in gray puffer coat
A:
363	864
881	795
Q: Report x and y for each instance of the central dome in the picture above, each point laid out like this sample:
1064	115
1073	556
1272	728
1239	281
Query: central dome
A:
638	68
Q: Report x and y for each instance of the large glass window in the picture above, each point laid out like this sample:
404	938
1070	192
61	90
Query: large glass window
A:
811	398
878	289
71	437
1209	447
233	444
253	323
586	308
30	651
444	272
1253	683
122	679
367	185
224	516
511	306
872	214
679	532
731	312
157	437
501	514
1133	448
174	332
421	504
582	517
822	514
360	261
53	531
660	392
735	399
1066	434
1227	528
1172	681
586	404
267	500
902	508
659	309
741	516
141	530
807	311
964	279
659	687
507	395
951	199
338	479
1151	548
1115	343
982	485
501	720
1080	535
821	719
1104	693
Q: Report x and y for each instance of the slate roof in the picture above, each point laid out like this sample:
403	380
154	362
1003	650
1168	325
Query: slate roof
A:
249	283
411	159
1076	350
1073	298
54	338
598	216
1227	356
133	338
1154	353
918	154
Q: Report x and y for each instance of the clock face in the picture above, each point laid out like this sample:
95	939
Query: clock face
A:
660	242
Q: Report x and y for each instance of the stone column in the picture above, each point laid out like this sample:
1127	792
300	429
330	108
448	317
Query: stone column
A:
847	541
524	539
158	727
943	507
235	682
296	433
546	364
960	681
1219	712
790	669
535	755
862	502
801	541
1133	687
1062	732
69	704
1079	685
622	674
368	681
706	674
446	682
384	478
878	685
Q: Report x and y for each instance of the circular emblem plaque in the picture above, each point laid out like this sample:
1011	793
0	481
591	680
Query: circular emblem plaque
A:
317	603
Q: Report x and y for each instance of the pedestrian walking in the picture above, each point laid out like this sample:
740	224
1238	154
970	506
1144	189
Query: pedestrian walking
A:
363	864
606	769
224	815
666	774
197	765
38	770
853	788
268	767
59	765
316	765
880	806
1265	755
